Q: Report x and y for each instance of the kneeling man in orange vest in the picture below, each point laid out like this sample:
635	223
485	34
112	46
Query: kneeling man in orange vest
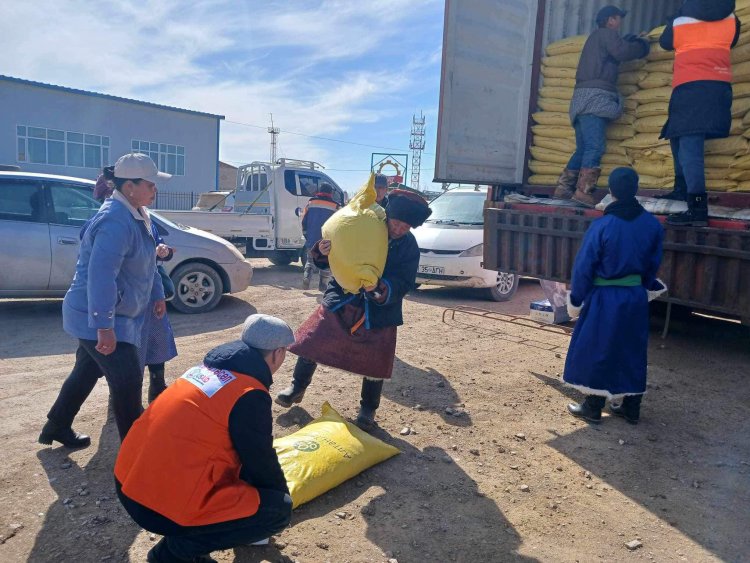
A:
198	467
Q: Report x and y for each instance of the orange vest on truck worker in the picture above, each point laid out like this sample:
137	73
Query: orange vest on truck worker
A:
702	49
178	458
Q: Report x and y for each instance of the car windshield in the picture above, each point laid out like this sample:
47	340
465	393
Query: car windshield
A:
466	208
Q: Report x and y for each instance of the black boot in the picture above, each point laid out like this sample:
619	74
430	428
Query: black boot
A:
629	409
695	216
156	383
679	193
65	435
160	554
589	410
303	374
371	390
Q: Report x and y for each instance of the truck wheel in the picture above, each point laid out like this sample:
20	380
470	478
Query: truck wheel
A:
198	288
280	258
505	289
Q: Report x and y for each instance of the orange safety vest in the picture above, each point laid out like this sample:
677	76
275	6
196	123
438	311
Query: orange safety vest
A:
702	49
178	459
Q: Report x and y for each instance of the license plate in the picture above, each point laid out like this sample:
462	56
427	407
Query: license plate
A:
438	270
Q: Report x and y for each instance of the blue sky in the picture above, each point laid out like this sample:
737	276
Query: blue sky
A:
344	69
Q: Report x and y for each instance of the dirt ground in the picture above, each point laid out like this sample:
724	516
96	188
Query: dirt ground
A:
494	469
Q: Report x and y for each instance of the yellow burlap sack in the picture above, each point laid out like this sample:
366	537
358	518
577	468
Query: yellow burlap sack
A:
655	33
616	160
651	124
746	120
719	174
741	72
558	72
325	453
627	89
720	161
721	185
739	175
548	156
656	80
630	105
652	109
730	145
741	54
544	168
625	119
620	132
741	163
550	104
741	90
562	145
654	182
644	141
740	107
565	46
740	187
359	240
552	132
655	168
615	147
630	66
542	180
659	54
569	60
737	127
632	77
560	82
556	92
660	66
551	118
652	95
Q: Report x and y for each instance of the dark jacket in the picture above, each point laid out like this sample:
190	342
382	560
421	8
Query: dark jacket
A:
317	211
601	57
701	107
398	276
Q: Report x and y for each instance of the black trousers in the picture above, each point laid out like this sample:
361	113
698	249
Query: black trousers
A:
182	543
123	373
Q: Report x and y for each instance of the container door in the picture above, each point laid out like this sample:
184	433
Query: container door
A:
488	49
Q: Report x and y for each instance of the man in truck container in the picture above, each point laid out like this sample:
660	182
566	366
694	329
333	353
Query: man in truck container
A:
596	102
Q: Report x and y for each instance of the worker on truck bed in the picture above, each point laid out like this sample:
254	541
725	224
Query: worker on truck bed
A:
702	36
596	102
614	278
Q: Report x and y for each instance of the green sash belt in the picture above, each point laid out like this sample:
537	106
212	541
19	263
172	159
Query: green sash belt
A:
633	280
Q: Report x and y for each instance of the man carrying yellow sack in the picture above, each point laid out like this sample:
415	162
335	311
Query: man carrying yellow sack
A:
357	332
198	466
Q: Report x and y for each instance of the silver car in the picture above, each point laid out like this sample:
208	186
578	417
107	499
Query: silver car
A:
40	220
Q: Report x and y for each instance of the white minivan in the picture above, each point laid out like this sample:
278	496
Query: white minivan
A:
451	246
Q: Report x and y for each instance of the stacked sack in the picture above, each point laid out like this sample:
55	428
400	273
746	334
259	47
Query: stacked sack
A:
553	136
633	140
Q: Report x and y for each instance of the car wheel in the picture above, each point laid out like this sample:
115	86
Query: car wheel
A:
505	289
198	288
280	258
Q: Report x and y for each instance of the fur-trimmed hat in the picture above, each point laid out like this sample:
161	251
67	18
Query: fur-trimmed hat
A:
407	207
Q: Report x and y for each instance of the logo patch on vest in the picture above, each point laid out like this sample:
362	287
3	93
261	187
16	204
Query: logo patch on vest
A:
207	379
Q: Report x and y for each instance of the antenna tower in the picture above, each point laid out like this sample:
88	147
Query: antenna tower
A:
274	131
416	144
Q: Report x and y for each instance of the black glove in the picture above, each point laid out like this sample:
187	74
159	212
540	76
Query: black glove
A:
630	37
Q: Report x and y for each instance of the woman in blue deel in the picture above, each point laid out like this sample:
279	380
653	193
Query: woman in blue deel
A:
614	278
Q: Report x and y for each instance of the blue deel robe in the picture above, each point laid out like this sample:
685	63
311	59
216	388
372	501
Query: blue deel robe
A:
608	351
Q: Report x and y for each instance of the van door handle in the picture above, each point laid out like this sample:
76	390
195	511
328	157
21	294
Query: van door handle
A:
67	241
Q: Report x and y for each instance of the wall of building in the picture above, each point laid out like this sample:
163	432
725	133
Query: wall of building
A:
227	176
102	119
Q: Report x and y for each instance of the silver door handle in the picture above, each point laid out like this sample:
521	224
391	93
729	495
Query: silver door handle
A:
67	241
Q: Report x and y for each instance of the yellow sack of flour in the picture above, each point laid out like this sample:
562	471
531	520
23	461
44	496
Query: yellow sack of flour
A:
652	109
558	72
550	104
660	66
556	93
551	118
653	124
552	132
359	240
656	80
569	60
325	453
568	45
543	179
560	82
565	145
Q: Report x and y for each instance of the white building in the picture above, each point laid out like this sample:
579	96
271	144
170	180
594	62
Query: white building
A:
58	130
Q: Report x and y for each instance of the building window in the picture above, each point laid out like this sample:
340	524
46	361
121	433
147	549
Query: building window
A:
38	145
168	158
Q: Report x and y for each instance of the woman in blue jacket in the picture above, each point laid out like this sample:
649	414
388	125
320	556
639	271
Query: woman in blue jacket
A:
105	307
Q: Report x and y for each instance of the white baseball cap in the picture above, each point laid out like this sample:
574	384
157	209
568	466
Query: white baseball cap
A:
138	165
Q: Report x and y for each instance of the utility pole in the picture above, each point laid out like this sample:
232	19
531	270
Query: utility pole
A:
274	131
416	144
